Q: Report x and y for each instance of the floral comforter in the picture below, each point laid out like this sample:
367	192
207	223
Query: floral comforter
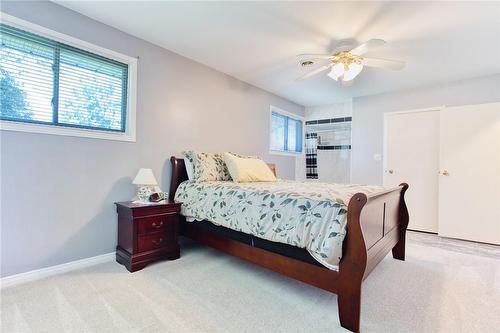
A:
309	215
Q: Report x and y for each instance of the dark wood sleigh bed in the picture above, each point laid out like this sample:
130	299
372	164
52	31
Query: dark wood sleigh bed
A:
375	226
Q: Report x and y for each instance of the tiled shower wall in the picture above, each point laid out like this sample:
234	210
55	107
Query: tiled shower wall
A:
334	140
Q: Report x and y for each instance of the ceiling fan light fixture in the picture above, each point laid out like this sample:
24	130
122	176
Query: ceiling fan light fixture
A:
344	65
337	71
352	72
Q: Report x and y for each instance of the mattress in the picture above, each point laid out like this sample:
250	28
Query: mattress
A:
307	215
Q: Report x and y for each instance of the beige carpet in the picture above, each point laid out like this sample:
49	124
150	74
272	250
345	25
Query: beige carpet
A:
440	288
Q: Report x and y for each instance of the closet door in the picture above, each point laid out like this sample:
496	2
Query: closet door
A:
411	155
469	184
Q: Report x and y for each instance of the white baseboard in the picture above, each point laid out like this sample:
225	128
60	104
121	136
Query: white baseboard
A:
13	280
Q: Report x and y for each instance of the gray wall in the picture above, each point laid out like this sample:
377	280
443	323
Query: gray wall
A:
58	192
368	111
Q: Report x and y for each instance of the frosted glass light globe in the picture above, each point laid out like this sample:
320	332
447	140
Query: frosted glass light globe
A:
352	72
337	71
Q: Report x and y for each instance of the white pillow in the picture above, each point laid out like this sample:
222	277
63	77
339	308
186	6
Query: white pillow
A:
189	168
247	169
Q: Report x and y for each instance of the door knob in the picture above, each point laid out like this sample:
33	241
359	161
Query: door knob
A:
391	171
445	173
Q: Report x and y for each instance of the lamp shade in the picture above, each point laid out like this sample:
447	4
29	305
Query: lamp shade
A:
145	177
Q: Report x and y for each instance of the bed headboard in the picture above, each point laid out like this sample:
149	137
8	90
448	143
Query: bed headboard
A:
179	174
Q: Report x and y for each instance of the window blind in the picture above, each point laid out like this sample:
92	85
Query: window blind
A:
45	81
286	133
278	132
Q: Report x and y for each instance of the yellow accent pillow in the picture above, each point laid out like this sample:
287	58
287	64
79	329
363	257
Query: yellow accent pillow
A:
247	169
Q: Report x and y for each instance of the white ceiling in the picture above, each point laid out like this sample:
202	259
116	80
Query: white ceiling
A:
257	41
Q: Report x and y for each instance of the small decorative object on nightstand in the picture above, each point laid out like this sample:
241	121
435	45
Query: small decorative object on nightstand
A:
146	182
147	233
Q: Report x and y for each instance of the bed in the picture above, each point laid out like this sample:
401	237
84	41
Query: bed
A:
352	235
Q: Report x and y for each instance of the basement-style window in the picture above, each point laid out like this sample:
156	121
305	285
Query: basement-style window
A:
286	132
53	85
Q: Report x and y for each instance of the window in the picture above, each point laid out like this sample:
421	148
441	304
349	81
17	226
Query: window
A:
286	132
47	82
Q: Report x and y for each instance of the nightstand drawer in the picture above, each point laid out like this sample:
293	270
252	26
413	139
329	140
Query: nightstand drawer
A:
154	241
152	224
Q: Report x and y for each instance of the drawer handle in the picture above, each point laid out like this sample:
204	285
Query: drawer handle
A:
157	225
157	242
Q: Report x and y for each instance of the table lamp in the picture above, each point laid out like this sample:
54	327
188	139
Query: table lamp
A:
146	182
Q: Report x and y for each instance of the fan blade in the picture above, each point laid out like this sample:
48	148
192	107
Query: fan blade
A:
365	47
394	65
315	56
314	72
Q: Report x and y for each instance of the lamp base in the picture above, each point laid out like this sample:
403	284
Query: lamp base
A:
143	193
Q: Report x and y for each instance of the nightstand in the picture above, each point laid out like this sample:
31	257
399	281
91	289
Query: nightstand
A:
147	233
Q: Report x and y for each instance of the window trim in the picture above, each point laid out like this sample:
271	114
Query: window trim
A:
130	121
289	115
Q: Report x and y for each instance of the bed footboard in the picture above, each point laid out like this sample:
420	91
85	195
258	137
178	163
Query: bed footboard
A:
375	225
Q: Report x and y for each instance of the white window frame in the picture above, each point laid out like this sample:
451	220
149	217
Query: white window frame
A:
290	115
130	122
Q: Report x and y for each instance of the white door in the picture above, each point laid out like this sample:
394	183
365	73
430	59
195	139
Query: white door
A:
469	189
412	156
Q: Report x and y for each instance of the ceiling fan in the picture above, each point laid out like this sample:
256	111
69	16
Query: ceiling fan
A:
347	64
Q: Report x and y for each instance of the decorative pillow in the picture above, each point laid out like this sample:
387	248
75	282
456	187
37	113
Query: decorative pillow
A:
189	167
241	156
246	169
189	163
207	166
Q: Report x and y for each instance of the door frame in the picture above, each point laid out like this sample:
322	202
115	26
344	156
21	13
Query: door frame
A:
391	113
